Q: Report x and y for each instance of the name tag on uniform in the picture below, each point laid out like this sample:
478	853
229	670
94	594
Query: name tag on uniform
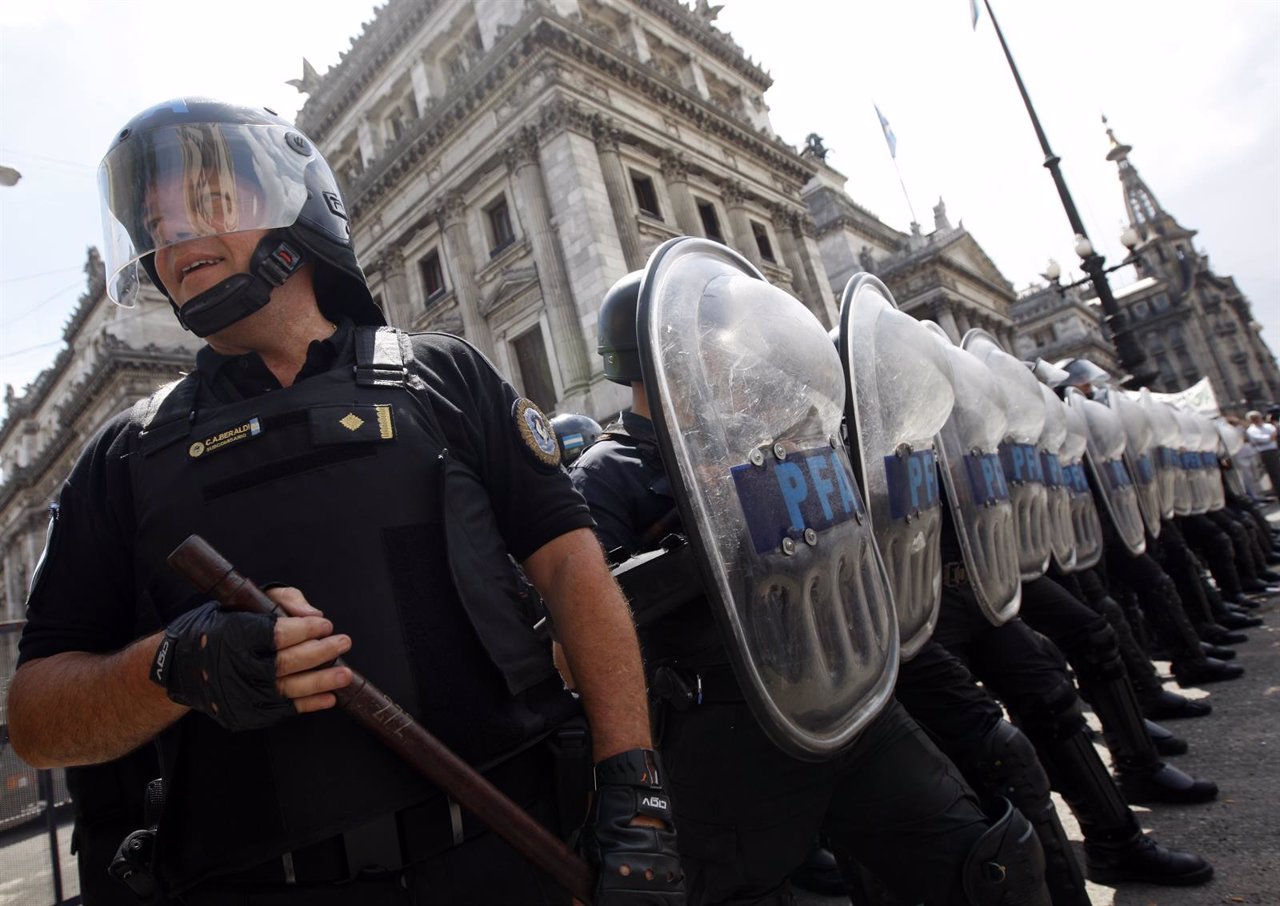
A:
812	489
227	437
353	424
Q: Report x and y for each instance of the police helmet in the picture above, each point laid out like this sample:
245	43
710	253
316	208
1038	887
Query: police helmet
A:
616	340
575	433
195	167
1082	371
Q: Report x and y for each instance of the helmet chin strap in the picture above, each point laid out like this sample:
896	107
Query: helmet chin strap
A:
274	261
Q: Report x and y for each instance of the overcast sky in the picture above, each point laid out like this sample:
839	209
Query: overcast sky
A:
1194	87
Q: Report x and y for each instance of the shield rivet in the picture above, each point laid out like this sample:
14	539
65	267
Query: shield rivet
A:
810	537
756	457
788	546
780	451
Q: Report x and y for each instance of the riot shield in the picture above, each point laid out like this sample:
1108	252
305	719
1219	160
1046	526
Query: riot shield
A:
1062	540
1086	522
1233	441
1209	444
1138	456
747	396
1192	464
898	397
969	449
1019	450
1168	441
1104	455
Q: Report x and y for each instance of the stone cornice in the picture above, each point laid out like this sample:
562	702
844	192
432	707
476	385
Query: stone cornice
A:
863	225
540	31
688	24
118	358
381	39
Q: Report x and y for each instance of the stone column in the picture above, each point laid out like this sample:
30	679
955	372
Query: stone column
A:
461	263
783	219
947	321
607	138
421	85
804	235
735	197
562	314
676	172
395	287
963	324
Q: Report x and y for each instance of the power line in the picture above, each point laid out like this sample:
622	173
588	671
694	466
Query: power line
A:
43	303
61	270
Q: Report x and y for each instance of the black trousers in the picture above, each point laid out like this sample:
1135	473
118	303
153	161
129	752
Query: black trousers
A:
1215	547
747	814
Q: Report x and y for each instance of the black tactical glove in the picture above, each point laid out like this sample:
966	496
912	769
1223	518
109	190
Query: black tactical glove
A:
636	864
223	663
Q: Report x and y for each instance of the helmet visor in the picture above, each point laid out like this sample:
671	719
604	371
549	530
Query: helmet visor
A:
180	182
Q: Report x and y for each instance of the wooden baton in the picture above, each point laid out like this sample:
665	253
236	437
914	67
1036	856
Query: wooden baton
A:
196	560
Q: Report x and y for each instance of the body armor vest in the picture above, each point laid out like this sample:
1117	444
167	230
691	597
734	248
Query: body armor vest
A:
341	485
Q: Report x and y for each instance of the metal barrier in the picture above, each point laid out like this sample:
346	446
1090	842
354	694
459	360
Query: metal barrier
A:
35	813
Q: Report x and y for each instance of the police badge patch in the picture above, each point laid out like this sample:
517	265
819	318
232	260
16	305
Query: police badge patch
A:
536	432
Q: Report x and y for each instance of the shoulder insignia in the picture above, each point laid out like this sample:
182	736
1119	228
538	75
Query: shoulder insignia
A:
536	432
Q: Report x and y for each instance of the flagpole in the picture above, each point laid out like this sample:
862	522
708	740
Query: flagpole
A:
894	158
1132	359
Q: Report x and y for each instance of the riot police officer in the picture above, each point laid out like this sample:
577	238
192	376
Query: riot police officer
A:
372	475
749	812
574	433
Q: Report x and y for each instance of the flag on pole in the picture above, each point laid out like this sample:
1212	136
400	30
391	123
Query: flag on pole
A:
973	13
890	139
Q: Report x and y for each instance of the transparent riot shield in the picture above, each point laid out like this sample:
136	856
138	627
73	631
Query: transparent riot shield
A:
1168	444
969	448
1233	441
1209	444
1019	450
1139	450
1192	463
1062	539
1104	454
1086	522
899	396
747	396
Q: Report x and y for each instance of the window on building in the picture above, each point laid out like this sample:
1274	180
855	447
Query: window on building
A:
646	195
432	276
500	232
710	222
763	244
395	126
535	369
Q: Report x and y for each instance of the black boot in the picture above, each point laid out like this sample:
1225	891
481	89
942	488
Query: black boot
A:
1145	861
1165	742
1169	705
1218	651
1115	848
1233	620
1208	670
1143	776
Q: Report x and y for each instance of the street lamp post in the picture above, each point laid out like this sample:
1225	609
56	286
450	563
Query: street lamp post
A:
1128	352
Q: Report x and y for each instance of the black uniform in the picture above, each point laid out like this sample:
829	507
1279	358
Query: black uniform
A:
747	813
367	487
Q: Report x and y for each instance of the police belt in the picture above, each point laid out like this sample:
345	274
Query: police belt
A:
955	574
414	834
688	687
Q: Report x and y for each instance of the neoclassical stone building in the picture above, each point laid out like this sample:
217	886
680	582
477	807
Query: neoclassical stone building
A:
942	276
1055	322
506	160
113	356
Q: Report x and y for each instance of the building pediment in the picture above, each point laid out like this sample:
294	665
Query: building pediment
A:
510	286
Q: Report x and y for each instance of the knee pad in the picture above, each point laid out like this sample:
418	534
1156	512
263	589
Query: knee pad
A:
1005	867
1007	766
1056	715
